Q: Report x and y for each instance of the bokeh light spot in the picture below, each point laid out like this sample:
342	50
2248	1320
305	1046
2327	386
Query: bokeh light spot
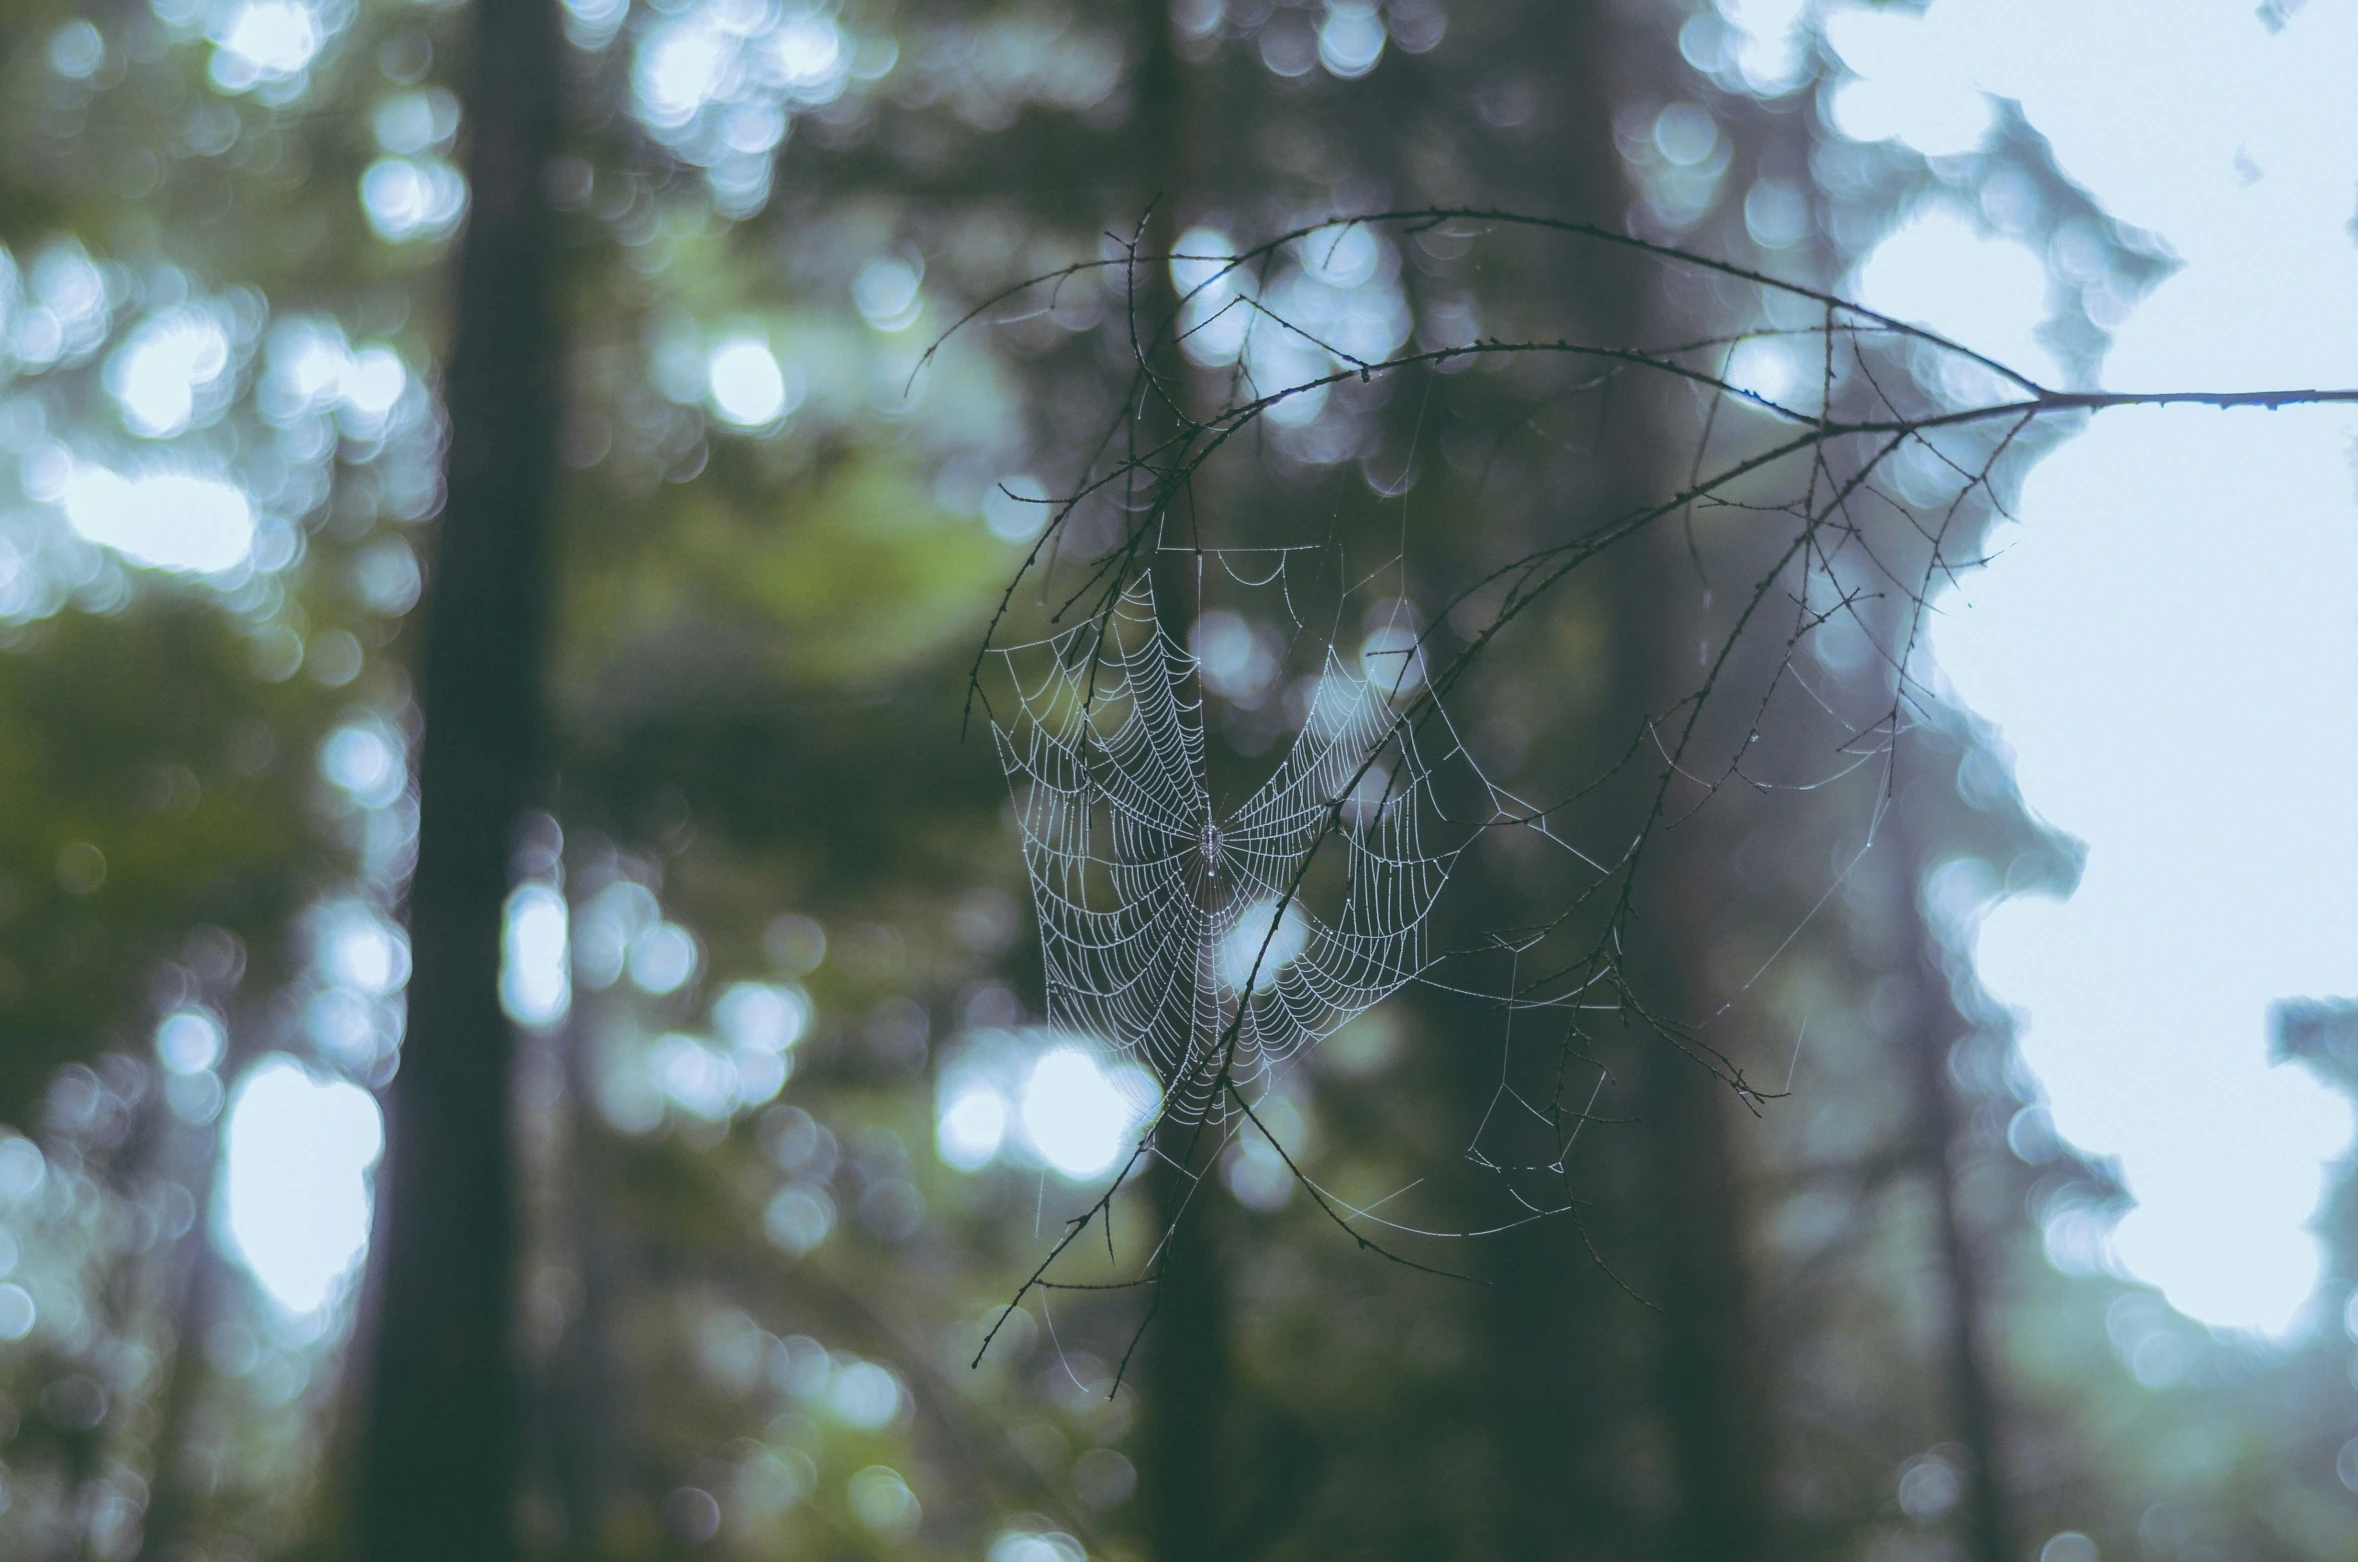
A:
166	520
535	976
295	1184
971	1128
747	387
1079	1116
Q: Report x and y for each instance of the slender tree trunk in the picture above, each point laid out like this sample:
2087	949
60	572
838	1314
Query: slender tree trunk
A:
1706	1388
440	1444
1186	1369
1708	1367
578	1401
1709	1380
1935	1028
1549	1414
1186	1381
193	1289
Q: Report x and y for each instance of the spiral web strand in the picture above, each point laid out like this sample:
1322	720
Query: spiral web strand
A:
1184	937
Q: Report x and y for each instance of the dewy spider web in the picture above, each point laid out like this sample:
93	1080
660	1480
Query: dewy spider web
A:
1182	936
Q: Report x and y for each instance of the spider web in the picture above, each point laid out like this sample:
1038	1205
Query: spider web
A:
1184	935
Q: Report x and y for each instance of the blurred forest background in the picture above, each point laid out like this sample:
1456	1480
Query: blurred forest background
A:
693	1252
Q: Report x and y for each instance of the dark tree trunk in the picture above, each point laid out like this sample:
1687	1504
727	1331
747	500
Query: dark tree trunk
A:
1936	1028
193	1291
1708	1370
1709	1384
1675	1192
578	1405
1550	1404
440	1444
1709	1380
1186	1383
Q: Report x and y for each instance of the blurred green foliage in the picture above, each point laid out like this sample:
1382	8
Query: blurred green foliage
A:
151	787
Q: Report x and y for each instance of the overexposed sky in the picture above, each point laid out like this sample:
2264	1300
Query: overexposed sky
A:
2169	640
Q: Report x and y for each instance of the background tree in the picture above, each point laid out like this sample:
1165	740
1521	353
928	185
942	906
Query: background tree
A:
439	1457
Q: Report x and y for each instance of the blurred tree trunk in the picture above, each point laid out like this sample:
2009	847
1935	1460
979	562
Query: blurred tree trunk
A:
579	1403
1935	1029
440	1442
1709	1377
175	1502
1187	1370
1551	1413
1186	1384
1553	1377
1708	1384
193	1291
1708	1368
